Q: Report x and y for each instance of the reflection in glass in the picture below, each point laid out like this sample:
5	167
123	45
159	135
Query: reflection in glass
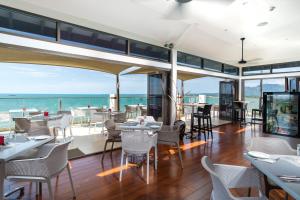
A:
281	114
212	65
74	34
155	95
27	24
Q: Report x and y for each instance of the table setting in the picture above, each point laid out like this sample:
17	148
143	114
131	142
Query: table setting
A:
141	123
283	170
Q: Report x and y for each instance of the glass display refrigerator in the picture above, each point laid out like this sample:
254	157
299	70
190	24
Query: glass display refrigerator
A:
281	113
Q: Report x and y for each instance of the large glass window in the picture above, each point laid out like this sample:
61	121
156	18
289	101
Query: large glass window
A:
252	93
26	24
92	38
253	90
273	85
149	51
212	65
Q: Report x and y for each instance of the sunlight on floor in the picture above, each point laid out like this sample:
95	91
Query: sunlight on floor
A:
115	170
192	145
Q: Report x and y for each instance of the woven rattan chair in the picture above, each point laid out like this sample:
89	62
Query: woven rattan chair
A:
50	161
137	143
225	177
113	136
98	119
170	135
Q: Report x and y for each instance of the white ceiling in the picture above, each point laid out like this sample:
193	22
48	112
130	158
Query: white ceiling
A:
210	30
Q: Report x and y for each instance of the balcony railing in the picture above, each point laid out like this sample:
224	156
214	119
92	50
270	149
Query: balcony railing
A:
9	105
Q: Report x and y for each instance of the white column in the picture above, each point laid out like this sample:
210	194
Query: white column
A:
173	86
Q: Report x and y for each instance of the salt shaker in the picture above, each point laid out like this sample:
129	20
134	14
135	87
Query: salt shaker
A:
298	149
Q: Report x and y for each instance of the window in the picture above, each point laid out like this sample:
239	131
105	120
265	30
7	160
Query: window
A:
74	34
273	85
264	69
212	65
286	67
252	93
149	51
26	24
229	69
190	60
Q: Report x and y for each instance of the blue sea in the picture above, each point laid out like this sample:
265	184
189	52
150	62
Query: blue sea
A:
50	102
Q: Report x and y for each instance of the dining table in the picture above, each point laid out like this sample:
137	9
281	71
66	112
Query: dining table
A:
136	125
283	170
22	112
15	147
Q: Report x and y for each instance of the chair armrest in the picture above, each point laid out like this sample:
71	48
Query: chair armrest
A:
28	167
237	176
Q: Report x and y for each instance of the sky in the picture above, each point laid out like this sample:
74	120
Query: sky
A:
43	79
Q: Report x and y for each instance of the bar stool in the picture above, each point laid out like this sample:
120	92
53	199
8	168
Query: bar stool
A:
203	115
240	109
256	116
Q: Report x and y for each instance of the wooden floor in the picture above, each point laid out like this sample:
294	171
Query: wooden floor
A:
95	180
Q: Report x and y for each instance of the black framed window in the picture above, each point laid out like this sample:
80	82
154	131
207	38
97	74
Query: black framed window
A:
18	22
286	67
212	65
190	60
264	69
75	34
229	69
145	50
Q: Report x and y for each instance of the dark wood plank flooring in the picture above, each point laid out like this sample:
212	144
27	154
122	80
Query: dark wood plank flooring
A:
95	180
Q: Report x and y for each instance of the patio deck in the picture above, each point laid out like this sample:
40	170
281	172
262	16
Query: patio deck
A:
96	180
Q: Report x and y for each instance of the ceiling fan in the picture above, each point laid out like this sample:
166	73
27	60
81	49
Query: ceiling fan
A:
181	9
243	61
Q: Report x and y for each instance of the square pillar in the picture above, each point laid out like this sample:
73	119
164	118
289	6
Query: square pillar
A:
173	87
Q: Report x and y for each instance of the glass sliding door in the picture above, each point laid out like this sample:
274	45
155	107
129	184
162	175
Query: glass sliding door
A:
155	95
227	96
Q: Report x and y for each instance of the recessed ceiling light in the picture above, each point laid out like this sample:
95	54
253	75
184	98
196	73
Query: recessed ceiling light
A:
262	24
272	8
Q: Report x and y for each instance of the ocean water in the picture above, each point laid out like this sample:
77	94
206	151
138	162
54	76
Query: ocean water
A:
50	102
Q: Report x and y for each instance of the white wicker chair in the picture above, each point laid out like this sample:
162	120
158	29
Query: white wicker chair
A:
50	161
170	135
271	145
79	115
113	136
225	177
98	119
65	122
137	143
